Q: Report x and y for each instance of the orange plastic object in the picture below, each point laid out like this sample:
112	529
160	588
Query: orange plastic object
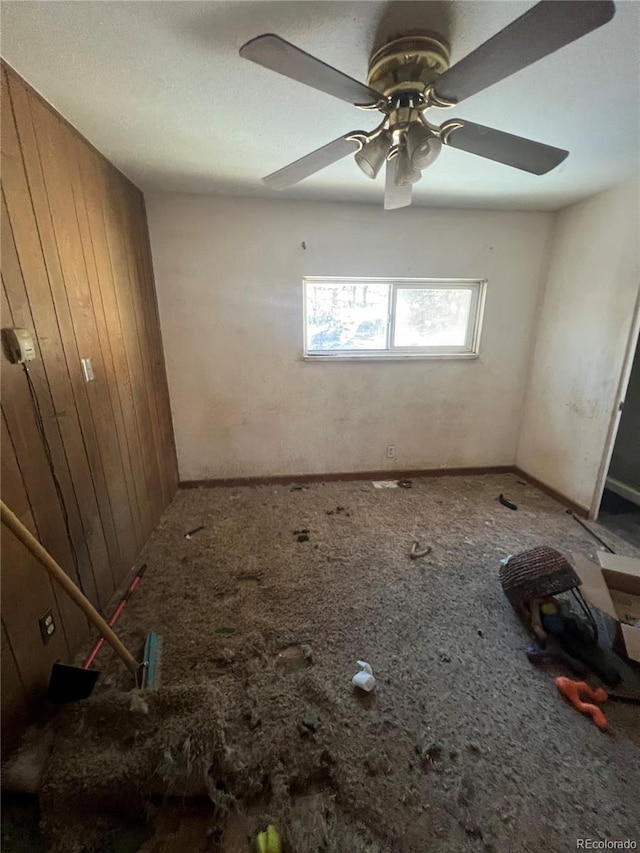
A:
571	691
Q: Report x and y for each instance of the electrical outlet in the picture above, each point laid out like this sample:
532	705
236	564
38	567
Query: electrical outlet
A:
391	451
47	626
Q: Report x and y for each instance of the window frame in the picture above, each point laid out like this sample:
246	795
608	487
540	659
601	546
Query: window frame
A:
470	349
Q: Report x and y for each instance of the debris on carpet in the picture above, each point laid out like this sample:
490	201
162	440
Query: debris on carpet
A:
364	679
417	551
302	535
257	723
572	691
269	841
338	510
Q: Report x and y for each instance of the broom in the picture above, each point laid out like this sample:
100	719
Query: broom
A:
116	615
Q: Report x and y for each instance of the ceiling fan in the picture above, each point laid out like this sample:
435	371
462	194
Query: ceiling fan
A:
410	75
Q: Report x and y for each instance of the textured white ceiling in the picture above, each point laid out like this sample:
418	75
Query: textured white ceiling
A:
160	89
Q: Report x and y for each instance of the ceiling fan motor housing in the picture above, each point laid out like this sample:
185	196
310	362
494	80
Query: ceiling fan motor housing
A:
403	70
408	63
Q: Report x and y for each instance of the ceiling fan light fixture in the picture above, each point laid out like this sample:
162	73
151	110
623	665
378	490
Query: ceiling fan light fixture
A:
405	172
423	146
373	154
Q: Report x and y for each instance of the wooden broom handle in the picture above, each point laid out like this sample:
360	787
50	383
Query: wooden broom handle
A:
62	579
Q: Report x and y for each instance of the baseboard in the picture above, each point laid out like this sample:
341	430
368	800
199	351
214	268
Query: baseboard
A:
580	510
349	475
287	479
624	490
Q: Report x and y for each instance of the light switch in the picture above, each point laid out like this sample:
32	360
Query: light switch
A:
87	369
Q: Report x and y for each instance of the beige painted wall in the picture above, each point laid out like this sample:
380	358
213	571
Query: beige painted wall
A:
229	279
582	335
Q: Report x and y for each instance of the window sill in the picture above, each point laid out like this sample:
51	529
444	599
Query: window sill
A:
389	357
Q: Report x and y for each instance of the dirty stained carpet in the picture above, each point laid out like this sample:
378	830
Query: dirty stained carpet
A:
464	745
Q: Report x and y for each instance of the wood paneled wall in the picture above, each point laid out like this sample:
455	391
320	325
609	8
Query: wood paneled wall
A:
76	272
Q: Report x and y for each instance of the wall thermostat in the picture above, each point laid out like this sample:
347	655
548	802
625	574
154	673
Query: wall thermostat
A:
19	345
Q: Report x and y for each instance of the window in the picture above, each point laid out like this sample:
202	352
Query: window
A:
399	318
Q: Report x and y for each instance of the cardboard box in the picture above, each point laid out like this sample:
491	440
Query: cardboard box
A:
614	588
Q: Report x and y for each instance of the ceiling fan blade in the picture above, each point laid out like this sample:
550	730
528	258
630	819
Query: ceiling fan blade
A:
545	28
516	151
318	159
279	55
395	196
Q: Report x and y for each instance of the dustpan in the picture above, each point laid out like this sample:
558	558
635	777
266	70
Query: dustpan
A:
71	683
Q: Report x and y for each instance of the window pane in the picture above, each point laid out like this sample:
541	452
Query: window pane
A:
432	317
347	316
